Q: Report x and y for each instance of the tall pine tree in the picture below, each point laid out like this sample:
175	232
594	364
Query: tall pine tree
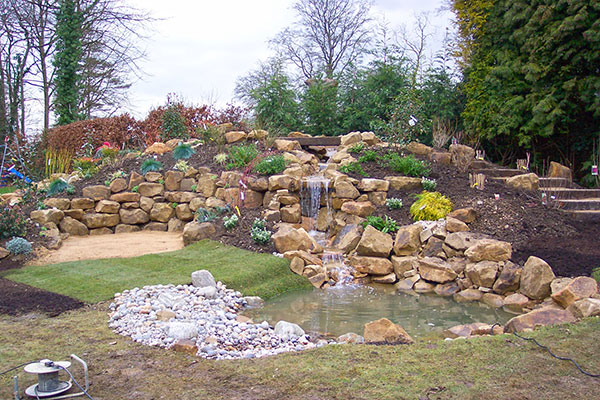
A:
67	62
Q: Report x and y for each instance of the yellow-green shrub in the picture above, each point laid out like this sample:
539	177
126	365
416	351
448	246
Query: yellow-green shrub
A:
430	206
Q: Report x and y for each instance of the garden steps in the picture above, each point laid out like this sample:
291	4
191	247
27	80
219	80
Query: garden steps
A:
557	183
499	172
314	141
562	193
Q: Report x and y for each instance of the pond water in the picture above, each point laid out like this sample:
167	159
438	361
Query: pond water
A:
343	309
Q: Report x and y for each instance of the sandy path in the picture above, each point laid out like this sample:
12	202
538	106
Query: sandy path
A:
111	246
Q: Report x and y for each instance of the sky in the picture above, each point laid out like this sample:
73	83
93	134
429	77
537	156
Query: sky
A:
197	49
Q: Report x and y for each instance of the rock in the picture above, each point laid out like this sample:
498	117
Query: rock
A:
447	289
175	225
207	185
291	214
184	212
404	264
404	183
350	338
146	203
348	238
541	317
422	286
156	227
82	203
374	243
493	300
319	279
468	295
58	203
182	330
436	270
252	199
559	284
287	238
407	284
148	189
483	273
124	228
97	192
135	179
172	143
73	227
107	207
185	346
509	278
3	253
350	138
196	203
477	328
578	289
419	149
359	208
277	182
186	184
408	240
385	331
101	231
43	217
434	248
258	184
203	278
345	190
162	212
95	220
287	330
258	134
235	136
374	185
173	180
524	182
125	197
389	278
516	303
287	145
157	148
118	185
370	138
466	215
455	225
297	265
165	315
208	292
557	170
254	301
441	157
461	241
194	231
180	197
134	217
489	250
536	277
462	156
371	265
585	308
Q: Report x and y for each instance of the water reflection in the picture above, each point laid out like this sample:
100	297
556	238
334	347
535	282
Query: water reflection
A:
342	309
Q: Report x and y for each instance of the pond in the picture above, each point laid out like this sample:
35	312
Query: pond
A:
341	309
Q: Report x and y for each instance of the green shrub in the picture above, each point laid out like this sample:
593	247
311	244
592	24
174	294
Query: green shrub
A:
356	147
408	166
428	184
353	167
596	274
230	222
57	186
183	152
270	165
260	235
430	206
393	203
85	167
70	190
204	215
387	225
240	156
182	166
12	222
173	124
221	158
150	165
368	156
18	245
259	224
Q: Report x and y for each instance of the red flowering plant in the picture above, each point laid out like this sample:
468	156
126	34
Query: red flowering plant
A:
12	222
107	151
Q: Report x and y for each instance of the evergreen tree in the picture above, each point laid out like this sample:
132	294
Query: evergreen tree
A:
67	62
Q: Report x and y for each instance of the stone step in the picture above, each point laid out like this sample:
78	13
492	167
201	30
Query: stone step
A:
579	204
556	182
499	172
482	164
584	215
567	194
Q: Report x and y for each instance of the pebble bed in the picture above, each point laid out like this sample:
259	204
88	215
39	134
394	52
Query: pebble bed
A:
205	315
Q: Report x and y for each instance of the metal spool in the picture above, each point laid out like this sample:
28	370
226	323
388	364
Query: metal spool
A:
48	381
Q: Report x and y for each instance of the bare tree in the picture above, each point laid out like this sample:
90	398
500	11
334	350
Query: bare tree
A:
414	44
332	34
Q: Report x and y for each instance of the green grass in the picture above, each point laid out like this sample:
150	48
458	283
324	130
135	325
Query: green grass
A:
7	189
596	274
92	281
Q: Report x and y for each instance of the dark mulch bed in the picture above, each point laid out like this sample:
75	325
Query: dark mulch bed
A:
17	298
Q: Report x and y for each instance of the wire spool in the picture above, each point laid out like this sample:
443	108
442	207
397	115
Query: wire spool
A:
48	381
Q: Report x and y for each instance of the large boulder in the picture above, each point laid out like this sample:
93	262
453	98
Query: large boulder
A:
374	243
96	192
536	278
108	207
148	189
585	308
462	156
466	215
524	182
73	227
419	149
436	270
235	136
461	241
541	317
407	240
374	185
134	217
371	265
509	278
288	238
482	273
579	288
173	180
96	220
350	138
404	264
277	182
162	212
345	190
57	202
82	203
347	239
385	331
557	170
44	217
287	330
359	208
118	185
157	148
125	197
203	278
403	183
489	250
182	330
195	231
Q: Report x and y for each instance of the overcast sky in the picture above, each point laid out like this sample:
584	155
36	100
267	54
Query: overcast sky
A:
199	48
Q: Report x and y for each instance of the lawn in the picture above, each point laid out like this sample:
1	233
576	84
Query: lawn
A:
499	367
7	189
92	281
